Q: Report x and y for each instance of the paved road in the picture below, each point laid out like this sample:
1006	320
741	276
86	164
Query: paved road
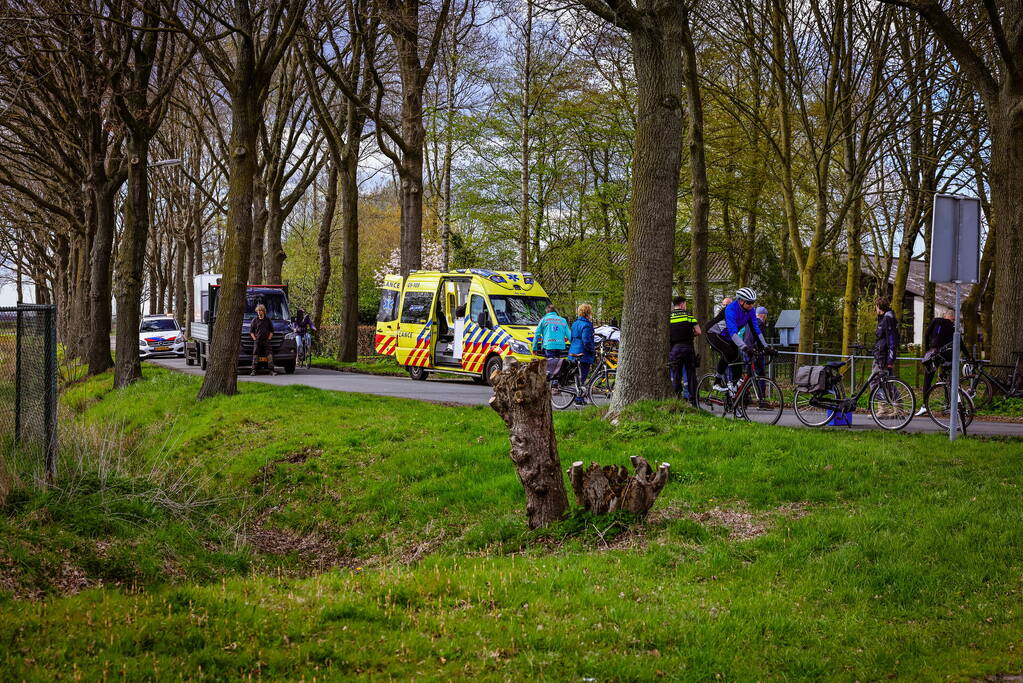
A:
449	389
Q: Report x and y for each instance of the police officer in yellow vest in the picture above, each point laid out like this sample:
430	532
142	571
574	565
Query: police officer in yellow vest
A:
682	358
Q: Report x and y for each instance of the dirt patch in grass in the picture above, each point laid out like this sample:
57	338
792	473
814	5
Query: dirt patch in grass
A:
267	470
315	552
741	523
66	579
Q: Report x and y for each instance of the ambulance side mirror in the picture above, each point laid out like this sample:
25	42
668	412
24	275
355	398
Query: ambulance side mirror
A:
484	320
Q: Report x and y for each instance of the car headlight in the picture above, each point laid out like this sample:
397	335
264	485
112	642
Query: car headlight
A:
520	347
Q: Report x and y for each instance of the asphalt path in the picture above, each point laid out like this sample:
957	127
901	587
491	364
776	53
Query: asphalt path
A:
441	388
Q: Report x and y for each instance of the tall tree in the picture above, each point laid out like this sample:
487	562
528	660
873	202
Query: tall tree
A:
258	36
986	38
141	94
658	32
415	59
349	35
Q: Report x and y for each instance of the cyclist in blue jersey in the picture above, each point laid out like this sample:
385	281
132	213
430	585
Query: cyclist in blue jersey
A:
724	333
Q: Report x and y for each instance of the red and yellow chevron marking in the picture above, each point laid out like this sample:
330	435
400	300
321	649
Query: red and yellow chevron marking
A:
419	356
386	344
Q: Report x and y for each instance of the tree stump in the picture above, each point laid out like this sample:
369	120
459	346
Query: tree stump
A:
522	397
609	488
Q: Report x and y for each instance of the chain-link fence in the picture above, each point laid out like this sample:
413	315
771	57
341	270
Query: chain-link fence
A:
28	381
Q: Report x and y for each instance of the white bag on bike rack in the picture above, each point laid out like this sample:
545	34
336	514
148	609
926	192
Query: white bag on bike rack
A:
811	378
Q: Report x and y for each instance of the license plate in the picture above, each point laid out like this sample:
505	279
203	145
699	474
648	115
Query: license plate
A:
163	348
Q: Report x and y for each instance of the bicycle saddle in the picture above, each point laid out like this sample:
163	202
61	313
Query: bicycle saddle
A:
836	364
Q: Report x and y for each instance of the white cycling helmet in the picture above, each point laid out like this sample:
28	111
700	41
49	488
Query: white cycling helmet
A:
747	294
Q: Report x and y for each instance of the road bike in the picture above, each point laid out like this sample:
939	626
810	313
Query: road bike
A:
982	385
755	398
891	401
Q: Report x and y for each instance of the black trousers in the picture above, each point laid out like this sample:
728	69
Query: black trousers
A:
682	358
728	351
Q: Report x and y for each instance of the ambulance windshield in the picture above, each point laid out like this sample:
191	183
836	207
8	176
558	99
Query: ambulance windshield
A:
519	310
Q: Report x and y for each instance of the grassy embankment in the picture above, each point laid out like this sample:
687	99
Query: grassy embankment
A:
289	532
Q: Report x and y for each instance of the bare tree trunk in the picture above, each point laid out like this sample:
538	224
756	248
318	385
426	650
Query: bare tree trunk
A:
190	271
180	310
99	278
853	265
524	159
260	219
698	171
522	398
222	371
273	256
1006	179
131	257
349	190
323	245
657	53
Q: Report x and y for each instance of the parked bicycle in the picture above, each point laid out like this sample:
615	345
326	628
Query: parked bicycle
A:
891	401
755	398
601	381
982	385
938	399
566	382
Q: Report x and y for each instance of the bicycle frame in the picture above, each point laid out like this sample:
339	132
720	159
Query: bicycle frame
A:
847	403
749	373
1014	389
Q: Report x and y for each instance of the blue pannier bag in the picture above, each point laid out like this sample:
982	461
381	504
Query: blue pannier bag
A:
839	418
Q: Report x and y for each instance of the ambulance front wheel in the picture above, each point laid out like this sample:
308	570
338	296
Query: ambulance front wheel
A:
493	364
417	373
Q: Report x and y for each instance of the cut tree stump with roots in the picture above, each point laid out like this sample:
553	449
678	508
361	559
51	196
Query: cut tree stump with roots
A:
610	488
522	397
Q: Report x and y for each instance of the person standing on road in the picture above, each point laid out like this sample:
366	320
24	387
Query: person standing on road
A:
581	348
551	337
682	357
262	331
886	344
938	336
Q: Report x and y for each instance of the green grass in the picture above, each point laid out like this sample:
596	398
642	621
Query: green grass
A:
868	554
371	365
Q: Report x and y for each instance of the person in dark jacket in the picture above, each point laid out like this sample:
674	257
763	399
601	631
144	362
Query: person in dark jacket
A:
682	358
581	347
262	331
886	335
937	349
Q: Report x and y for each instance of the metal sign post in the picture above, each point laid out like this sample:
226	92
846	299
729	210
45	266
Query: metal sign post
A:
955	257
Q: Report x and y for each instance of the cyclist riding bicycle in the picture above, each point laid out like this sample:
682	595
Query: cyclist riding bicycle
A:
302	326
723	334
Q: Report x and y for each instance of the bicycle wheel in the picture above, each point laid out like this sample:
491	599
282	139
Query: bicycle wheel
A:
708	398
600	386
938	402
761	401
811	407
980	388
892	403
563	396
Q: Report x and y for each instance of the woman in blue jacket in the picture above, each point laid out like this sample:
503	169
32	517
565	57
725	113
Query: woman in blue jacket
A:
581	348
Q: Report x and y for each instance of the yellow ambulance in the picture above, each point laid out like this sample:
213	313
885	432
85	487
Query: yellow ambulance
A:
460	322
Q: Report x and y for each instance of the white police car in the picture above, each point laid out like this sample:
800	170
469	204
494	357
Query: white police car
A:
161	335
